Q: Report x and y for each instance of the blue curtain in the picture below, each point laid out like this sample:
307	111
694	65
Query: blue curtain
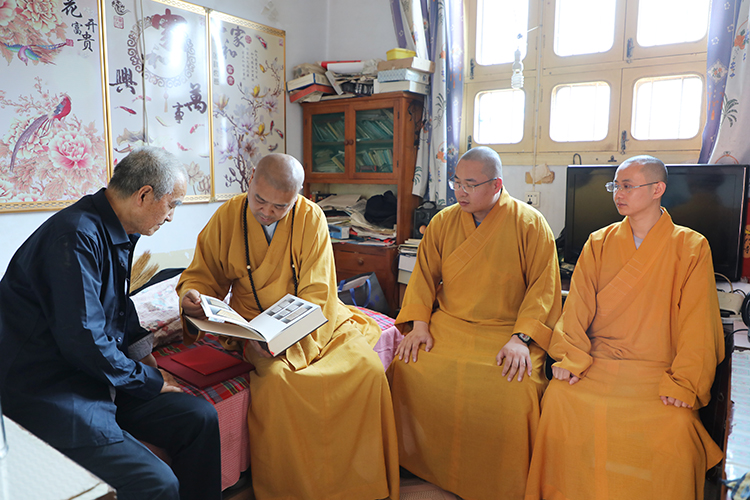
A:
724	38
434	29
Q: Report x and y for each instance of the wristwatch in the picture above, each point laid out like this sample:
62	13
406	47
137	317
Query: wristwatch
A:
524	338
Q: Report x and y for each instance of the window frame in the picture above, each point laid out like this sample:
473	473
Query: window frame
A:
529	87
629	79
479	72
609	142
543	66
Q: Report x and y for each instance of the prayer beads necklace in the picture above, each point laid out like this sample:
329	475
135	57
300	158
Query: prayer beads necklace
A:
247	253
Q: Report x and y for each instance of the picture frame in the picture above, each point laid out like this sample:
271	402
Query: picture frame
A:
53	147
248	88
158	84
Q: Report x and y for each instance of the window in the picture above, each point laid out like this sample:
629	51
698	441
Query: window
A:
663	22
584	27
580	112
499	118
664	107
614	77
501	29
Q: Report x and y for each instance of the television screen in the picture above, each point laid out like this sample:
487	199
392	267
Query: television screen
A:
709	199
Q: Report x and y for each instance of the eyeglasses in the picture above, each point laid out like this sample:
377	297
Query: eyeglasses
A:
613	186
467	188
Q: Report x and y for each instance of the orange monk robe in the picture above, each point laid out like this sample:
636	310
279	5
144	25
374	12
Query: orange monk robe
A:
461	424
638	324
321	418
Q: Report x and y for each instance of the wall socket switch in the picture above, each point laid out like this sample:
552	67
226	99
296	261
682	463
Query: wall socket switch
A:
532	198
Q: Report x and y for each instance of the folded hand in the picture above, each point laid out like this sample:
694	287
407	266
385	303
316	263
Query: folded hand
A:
563	374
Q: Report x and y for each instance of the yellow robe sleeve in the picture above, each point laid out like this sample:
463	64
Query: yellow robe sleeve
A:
542	302
205	273
421	292
317	284
570	344
699	346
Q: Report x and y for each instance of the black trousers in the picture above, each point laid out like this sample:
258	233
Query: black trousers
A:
187	427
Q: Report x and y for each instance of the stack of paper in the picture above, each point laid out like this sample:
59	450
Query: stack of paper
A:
407	259
348	211
351	77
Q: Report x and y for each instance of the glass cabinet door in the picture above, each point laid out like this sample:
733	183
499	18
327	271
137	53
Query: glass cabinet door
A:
374	141
328	140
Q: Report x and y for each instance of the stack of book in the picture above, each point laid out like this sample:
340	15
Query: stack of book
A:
407	259
411	74
309	88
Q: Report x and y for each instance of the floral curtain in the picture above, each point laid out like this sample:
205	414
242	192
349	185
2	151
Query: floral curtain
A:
434	29
724	137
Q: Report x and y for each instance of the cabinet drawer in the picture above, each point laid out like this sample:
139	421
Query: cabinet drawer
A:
361	263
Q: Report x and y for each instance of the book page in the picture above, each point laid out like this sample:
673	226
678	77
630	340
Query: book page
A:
220	312
280	316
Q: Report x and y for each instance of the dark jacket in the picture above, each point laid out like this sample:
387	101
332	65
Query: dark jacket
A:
64	316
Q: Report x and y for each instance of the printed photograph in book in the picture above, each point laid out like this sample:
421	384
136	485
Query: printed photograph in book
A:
283	324
52	121
248	93
157	81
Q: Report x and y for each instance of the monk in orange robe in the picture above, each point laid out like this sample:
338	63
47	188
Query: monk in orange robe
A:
480	306
321	418
637	348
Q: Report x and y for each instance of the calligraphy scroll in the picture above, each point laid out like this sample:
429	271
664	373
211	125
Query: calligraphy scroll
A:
158	84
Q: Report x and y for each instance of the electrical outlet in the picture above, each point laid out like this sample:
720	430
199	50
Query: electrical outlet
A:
532	198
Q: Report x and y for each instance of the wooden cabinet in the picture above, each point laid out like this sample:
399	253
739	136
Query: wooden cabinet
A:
366	140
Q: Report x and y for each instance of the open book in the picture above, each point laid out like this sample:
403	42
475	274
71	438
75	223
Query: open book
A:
281	325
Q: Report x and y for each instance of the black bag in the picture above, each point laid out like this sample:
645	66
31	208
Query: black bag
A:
364	290
381	209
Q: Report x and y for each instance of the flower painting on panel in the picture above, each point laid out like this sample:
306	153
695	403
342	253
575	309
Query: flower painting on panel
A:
52	132
248	107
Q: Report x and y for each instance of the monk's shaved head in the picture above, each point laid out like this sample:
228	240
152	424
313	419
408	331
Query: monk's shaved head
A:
492	166
653	169
281	171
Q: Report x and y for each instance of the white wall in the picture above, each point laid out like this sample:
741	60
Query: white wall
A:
551	196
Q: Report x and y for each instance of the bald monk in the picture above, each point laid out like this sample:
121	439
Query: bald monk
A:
637	348
468	376
320	419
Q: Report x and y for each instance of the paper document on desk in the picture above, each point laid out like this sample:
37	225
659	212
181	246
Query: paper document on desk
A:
339	201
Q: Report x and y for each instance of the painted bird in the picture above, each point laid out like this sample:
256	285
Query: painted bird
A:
41	126
36	52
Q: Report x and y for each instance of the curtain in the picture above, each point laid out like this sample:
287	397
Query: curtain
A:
434	29
728	98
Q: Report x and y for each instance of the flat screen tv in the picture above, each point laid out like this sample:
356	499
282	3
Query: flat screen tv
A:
710	199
